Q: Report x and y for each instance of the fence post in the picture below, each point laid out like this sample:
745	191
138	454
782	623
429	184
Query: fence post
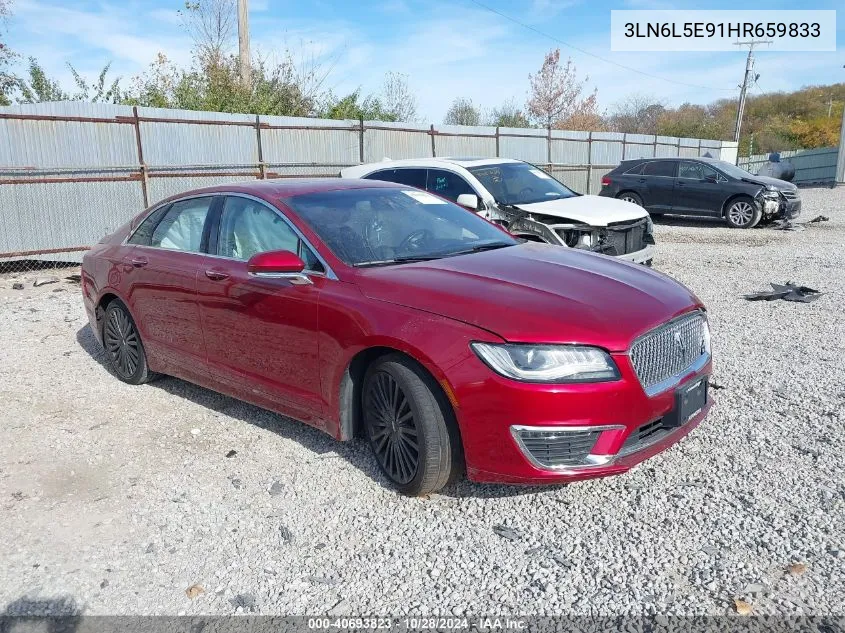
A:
678	148
433	146
141	163
549	146
699	148
262	175
497	141
361	140
590	159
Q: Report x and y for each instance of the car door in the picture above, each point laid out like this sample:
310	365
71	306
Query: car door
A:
698	189
162	264
260	334
656	185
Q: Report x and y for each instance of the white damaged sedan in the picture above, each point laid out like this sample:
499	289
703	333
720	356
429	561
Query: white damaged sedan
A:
527	201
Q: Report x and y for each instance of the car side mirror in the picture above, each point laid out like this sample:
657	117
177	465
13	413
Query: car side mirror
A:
468	200
710	178
278	265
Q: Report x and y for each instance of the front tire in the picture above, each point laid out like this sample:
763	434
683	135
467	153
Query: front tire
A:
123	345
743	213
409	429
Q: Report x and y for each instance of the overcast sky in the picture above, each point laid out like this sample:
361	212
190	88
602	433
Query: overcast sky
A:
448	48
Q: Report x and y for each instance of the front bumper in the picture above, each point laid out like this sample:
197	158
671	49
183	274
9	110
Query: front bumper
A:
639	257
781	208
491	408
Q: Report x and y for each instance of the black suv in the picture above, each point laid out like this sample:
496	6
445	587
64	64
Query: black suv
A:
702	186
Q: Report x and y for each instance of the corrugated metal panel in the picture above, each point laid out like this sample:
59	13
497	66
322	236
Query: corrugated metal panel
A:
311	146
574	178
381	144
532	146
70	108
161	188
606	152
570	152
170	144
462	146
63	215
46	144
303	171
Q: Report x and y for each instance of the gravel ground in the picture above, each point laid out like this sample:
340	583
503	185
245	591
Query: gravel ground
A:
118	499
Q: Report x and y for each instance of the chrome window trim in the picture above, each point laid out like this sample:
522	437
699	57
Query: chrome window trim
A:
125	241
592	460
328	273
671	381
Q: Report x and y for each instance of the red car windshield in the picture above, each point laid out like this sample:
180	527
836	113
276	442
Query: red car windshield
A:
381	226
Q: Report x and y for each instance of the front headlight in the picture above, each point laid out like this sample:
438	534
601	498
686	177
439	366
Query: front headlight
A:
771	194
548	363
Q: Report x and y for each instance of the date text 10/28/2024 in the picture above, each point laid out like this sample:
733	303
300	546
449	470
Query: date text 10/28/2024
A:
432	623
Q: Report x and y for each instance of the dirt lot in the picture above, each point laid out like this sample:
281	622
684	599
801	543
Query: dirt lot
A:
116	499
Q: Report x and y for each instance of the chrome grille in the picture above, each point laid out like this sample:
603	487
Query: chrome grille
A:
668	350
557	448
790	195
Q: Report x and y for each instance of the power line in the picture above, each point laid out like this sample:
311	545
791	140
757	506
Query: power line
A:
599	57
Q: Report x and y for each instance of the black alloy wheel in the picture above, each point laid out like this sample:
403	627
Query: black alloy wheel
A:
410	426
123	345
392	428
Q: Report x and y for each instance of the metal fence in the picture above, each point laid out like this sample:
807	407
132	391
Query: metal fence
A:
812	166
73	172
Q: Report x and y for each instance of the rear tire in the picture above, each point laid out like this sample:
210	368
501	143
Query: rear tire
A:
124	349
630	196
410	430
743	213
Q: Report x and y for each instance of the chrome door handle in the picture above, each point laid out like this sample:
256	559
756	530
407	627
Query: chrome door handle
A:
216	275
139	262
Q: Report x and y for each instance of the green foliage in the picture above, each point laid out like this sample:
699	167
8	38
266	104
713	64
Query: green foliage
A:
40	87
352	107
216	86
462	112
508	114
803	119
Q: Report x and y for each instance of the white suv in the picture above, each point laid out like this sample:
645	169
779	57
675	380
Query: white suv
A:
527	201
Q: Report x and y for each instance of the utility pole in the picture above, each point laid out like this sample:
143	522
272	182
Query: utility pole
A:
243	43
749	78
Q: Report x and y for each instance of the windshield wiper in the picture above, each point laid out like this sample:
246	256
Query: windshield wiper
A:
404	259
481	247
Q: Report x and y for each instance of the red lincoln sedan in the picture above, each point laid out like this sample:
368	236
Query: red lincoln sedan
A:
363	307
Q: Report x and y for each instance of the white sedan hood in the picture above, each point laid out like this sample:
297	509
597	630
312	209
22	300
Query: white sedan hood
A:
592	210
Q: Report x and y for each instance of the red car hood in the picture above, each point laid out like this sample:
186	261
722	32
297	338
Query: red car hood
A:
537	293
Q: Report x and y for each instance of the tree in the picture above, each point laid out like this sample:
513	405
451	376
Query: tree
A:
462	112
211	25
397	98
555	98
509	114
40	88
274	89
636	114
353	107
7	80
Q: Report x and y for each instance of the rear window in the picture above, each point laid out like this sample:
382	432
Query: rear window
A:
635	170
659	168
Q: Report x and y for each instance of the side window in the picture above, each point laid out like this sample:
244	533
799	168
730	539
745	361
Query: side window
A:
181	227
636	170
144	233
690	170
248	227
411	177
660	168
447	184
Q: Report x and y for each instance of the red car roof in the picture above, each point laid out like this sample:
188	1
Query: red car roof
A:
285	187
